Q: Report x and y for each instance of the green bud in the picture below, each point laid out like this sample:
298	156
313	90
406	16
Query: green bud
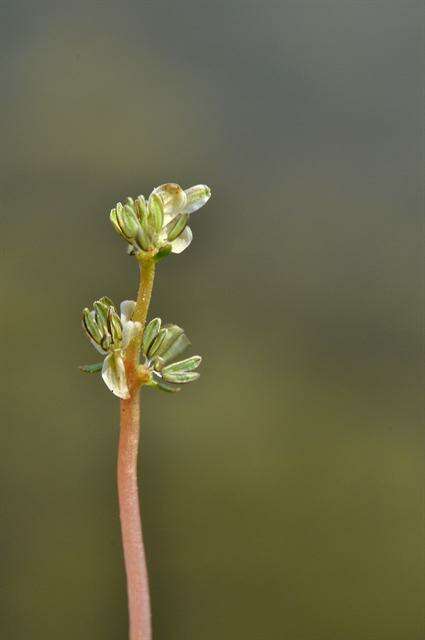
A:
114	326
184	365
141	207
130	202
172	332
181	377
113	217
130	224
156	211
150	333
179	345
143	239
156	345
106	342
90	325
119	209
101	314
107	301
176	226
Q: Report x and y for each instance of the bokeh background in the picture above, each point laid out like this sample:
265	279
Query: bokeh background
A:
282	494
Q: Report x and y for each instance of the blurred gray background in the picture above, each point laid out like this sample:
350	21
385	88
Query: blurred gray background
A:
282	494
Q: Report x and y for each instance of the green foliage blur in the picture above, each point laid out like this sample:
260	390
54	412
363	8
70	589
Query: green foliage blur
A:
283	492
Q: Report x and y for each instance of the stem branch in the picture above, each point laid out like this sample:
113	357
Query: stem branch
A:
147	275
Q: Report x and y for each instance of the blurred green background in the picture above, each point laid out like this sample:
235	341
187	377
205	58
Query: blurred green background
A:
282	494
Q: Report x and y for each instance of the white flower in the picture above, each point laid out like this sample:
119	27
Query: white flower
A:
178	204
129	328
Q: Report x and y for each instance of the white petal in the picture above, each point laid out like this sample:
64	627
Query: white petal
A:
127	309
113	374
183	241
130	329
173	198
196	196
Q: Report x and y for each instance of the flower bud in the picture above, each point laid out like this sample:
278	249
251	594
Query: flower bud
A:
141	207
114	326
90	326
150	333
102	325
143	239
101	313
156	344
113	217
175	348
130	223
156	212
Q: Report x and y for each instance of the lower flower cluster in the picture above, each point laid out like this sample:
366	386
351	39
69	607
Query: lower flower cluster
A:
161	345
111	334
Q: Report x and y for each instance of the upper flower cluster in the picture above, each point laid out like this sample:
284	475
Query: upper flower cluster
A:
159	226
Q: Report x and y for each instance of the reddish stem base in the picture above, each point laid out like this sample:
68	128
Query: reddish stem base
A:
131	528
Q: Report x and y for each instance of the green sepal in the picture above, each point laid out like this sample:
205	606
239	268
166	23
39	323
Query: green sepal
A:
181	377
156	344
173	331
150	333
184	365
91	368
168	388
174	349
163	252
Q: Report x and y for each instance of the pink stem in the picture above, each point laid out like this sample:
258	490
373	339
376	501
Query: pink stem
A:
131	527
